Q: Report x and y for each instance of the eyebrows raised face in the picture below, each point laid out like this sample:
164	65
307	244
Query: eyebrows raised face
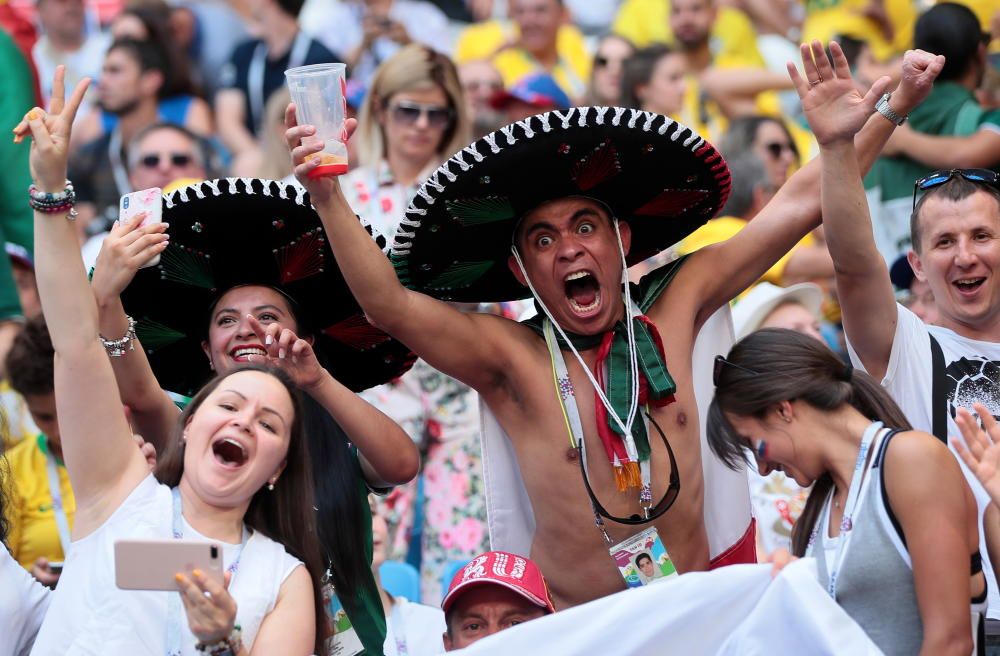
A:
550	225
265	409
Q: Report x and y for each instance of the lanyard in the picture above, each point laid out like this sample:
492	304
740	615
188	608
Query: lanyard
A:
115	156
174	606
858	480
574	428
257	72
399	630
57	502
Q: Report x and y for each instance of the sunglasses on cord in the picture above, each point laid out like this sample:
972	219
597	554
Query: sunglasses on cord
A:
938	178
410	112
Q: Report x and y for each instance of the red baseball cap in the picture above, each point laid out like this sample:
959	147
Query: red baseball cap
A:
509	570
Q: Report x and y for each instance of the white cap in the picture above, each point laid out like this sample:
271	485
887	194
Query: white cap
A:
750	311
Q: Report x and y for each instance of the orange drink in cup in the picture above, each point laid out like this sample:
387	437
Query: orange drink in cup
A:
318	92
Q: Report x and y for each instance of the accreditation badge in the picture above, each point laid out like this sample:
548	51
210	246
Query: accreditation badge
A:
642	559
345	640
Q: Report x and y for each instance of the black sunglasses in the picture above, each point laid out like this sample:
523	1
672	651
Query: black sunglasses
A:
410	112
938	178
720	362
776	148
152	160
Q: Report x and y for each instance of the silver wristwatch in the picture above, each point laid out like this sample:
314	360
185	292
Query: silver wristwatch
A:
882	107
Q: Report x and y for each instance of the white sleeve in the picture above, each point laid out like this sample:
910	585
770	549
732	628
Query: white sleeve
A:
23	604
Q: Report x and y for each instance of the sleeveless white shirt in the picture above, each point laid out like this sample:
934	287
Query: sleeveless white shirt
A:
89	614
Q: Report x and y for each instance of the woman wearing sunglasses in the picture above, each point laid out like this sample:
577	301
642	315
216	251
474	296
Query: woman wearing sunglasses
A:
413	117
606	73
890	521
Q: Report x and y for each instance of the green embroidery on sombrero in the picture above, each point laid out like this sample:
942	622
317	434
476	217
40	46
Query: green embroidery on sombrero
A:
356	332
183	265
301	258
477	211
459	274
155	336
401	264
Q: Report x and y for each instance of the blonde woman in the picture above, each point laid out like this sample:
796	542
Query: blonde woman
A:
413	118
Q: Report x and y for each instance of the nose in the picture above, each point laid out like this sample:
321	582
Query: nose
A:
964	254
763	468
569	248
423	120
243	329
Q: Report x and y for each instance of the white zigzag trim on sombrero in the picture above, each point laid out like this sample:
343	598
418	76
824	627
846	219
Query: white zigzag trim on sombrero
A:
432	186
232	185
248	183
213	185
181	195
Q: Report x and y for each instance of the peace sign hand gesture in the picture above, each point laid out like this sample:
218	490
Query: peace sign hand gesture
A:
980	450
831	102
50	133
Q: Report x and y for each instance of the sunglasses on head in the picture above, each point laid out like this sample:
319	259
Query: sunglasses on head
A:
152	160
721	362
775	149
938	178
410	112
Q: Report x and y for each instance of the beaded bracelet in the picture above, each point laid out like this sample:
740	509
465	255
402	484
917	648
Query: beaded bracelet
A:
54	203
116	347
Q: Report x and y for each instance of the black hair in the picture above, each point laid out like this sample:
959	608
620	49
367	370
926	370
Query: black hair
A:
149	56
284	514
637	71
155	18
773	365
643	555
956	189
291	7
30	360
952	30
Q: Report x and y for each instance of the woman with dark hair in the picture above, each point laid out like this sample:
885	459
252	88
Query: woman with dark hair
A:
240	475
891	549
654	80
606	73
769	139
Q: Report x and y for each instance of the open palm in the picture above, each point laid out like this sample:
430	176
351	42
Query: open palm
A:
981	448
831	102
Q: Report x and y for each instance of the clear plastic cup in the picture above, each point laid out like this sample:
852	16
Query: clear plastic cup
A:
319	94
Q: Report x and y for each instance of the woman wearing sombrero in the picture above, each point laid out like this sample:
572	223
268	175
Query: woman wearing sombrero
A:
244	271
557	206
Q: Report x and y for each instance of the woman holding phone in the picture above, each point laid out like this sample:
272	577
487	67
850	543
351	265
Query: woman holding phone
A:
892	550
239	436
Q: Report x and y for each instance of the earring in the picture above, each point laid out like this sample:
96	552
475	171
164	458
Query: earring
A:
270	486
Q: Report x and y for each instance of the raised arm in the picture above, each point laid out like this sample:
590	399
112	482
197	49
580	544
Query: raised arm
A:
124	250
468	347
388	455
733	265
103	463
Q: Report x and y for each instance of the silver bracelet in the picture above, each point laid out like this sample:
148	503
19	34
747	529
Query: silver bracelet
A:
116	347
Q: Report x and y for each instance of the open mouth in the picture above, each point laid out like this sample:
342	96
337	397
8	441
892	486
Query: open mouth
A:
229	453
969	285
583	292
240	353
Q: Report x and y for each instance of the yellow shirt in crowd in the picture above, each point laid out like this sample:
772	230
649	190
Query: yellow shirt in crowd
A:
482	41
32	520
724	227
826	19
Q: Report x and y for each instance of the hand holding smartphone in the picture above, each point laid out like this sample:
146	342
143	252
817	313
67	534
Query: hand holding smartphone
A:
149	201
153	564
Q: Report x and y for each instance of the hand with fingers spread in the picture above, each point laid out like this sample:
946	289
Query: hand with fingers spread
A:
323	188
50	133
831	102
981	448
211	616
288	351
127	247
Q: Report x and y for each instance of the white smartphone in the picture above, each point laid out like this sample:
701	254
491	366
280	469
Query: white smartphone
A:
153	564
149	201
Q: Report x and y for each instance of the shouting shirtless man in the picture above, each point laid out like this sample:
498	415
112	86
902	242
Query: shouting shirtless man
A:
560	188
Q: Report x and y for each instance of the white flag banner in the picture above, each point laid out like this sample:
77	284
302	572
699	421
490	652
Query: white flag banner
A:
732	611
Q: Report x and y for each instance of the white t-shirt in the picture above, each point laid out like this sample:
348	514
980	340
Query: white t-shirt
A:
91	615
23	603
414	629
973	374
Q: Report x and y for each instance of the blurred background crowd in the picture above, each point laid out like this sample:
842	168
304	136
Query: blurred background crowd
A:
194	89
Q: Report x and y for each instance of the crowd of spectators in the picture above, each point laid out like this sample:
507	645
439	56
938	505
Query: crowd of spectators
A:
188	90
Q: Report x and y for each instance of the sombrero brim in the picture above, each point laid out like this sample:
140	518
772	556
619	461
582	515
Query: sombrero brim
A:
651	171
240	231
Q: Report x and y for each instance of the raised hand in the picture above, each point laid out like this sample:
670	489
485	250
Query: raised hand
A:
831	102
289	352
50	133
323	188
126	248
211	610
919	70
981	448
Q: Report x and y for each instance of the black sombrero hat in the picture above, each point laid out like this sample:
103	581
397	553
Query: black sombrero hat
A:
651	171
241	231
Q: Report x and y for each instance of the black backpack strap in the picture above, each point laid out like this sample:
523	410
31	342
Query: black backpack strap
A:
939	394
